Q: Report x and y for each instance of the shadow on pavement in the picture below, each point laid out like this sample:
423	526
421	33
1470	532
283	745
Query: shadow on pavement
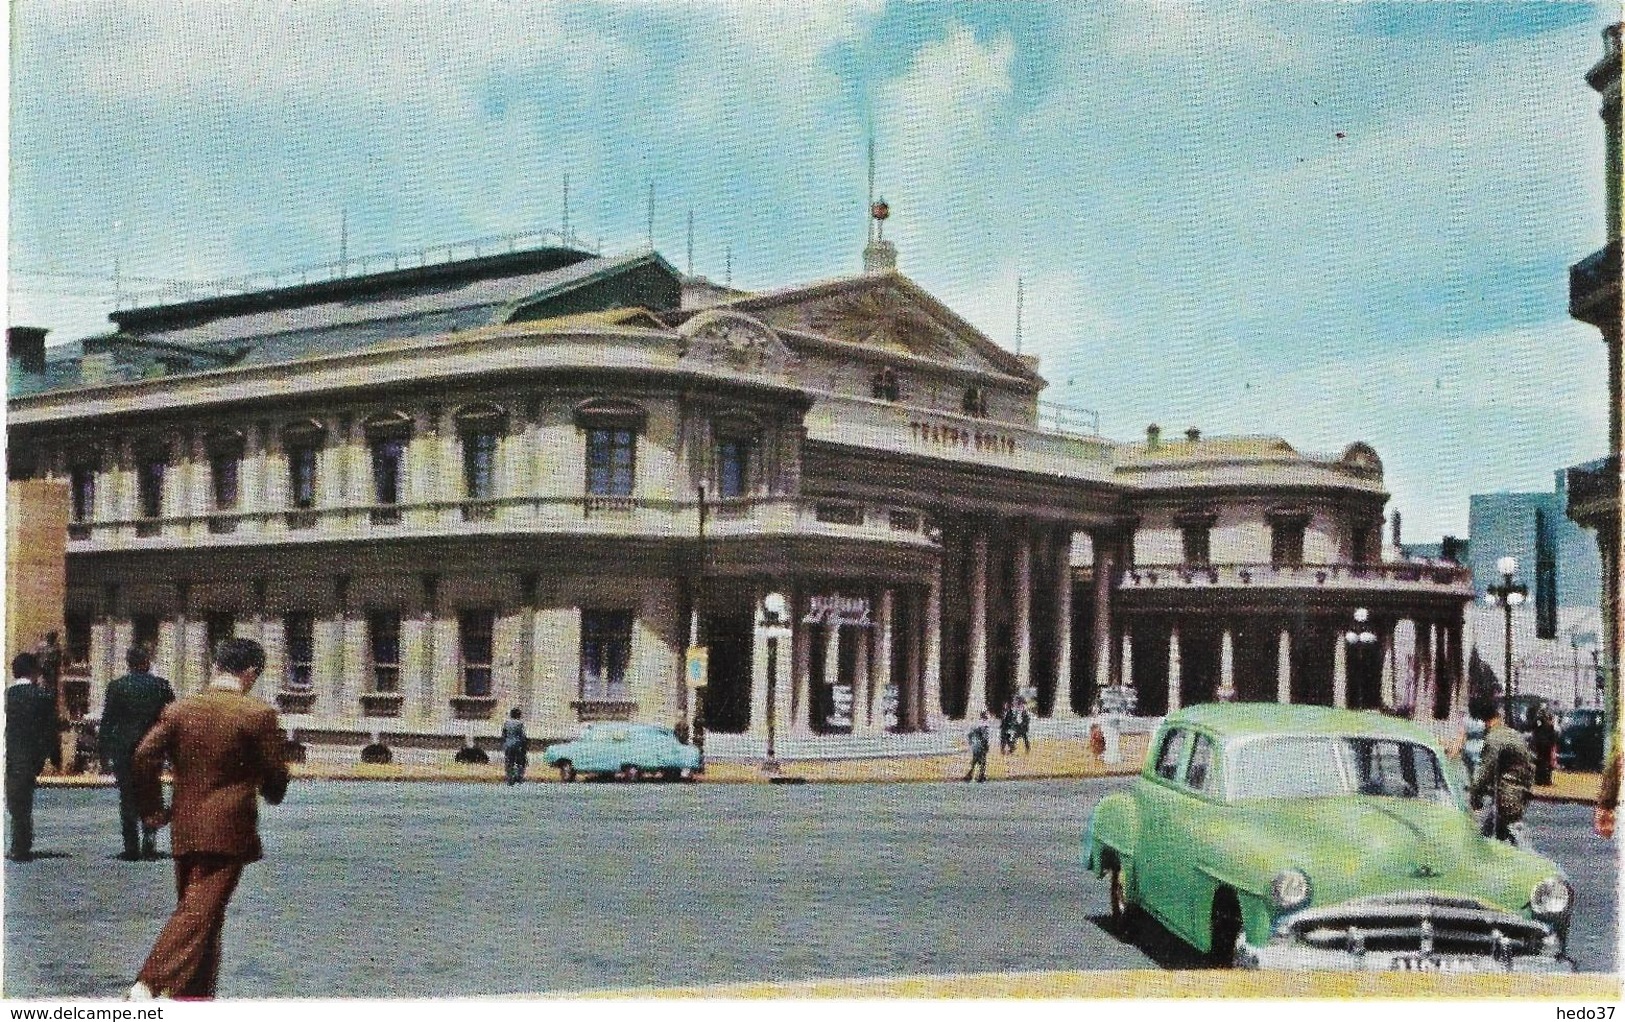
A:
1154	941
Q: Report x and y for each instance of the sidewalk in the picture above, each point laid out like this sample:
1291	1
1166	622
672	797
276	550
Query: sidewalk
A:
1139	984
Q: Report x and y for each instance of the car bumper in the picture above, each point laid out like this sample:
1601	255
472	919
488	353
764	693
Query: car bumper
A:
1415	932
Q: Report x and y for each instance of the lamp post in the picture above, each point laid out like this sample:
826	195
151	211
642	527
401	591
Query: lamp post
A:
1360	635
1508	594
775	626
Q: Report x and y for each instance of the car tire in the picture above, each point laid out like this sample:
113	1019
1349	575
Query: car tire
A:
671	775
567	771
631	774
1225	931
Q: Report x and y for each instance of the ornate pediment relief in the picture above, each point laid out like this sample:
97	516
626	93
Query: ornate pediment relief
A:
735	341
884	318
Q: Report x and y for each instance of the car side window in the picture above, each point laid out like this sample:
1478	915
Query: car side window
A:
1172	754
1198	774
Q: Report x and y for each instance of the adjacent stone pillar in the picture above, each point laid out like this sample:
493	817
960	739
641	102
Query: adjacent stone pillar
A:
1283	667
427	652
797	702
976	694
1062	708
1423	710
931	681
1389	697
863	687
1024	613
1105	567
1173	668
1227	667
832	662
1340	671
881	673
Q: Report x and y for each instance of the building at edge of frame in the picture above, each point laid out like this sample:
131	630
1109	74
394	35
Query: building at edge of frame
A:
438	493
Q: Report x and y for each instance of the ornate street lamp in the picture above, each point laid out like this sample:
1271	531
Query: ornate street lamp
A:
775	626
1360	635
1508	594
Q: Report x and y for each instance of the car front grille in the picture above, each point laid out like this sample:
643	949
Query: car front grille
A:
1416	923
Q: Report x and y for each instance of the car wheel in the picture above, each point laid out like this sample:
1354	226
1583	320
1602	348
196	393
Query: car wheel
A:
671	775
1226	930
631	773
567	771
1122	910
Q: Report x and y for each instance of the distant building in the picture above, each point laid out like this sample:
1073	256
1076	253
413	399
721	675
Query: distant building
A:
1533	528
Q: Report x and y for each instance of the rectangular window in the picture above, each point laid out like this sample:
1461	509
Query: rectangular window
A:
839	514
1198	774
1362	545
150	486
384	639
388	455
299	633
1286	544
606	649
219	625
733	467
84	493
1196	542
302	475
474	631
1172	754
479	464
223	470
611	462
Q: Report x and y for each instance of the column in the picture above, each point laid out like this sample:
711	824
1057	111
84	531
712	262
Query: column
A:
931	679
1423	710
1126	658
1340	670
1389	696
883	679
976	694
1227	667
1024	612
758	669
527	644
1283	667
1062	708
427	653
180	675
863	689
832	660
798	718
338	653
1458	670
913	672
1173	668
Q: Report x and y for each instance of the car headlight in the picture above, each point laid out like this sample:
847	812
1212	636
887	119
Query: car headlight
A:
1290	889
1551	898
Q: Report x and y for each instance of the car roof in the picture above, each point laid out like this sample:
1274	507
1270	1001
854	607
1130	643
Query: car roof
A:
1236	719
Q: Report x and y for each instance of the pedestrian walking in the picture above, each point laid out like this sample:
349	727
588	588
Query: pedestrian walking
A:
30	732
978	739
1504	774
514	747
225	748
133	703
1024	723
1007	729
1544	739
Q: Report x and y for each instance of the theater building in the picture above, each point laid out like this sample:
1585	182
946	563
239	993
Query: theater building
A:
533	480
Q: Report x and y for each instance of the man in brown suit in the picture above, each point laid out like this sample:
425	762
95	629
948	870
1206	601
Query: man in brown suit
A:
224	748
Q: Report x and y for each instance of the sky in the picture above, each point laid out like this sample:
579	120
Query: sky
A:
1327	222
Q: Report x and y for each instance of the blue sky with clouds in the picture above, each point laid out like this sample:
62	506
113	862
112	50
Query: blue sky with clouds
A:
1325	221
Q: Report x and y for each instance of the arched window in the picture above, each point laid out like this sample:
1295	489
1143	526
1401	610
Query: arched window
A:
883	385
612	429
387	436
975	402
225	448
302	443
480	428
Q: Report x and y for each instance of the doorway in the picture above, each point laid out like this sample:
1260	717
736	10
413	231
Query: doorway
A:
727	697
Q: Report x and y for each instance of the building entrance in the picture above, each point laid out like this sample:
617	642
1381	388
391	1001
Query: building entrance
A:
727	697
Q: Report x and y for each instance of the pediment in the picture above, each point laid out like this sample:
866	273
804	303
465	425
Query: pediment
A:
889	313
735	341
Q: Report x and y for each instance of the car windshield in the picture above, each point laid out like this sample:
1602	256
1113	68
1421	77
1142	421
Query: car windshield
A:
1315	766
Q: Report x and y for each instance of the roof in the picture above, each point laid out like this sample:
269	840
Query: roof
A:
1237	719
1219	448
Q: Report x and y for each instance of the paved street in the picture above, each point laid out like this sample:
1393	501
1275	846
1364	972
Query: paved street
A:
449	889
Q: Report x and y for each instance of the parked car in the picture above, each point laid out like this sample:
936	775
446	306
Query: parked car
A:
628	751
1579	744
1524	709
1303	837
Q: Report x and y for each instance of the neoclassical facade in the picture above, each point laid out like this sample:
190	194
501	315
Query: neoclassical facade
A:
535	480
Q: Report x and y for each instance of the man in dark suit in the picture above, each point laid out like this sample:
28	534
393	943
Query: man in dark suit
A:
225	748
30	732
134	702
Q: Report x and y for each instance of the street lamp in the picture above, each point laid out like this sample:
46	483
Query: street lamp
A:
775	626
1508	594
1359	635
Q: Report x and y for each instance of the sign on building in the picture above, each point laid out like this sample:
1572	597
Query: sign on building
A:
838	610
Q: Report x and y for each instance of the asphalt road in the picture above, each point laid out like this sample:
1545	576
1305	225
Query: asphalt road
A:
414	890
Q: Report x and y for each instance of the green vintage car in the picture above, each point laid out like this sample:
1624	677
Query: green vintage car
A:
1274	836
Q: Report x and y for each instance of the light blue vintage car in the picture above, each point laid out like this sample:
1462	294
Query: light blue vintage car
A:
627	751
